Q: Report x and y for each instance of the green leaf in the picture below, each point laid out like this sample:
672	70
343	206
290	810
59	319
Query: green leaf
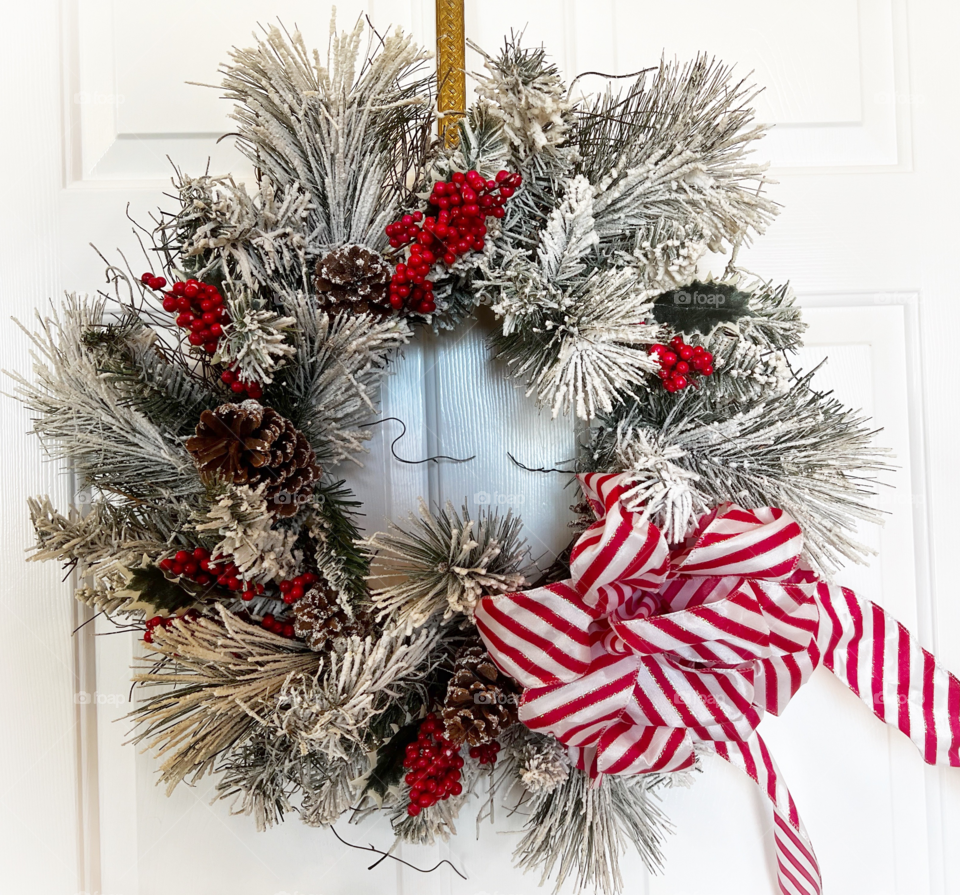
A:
153	590
701	307
389	767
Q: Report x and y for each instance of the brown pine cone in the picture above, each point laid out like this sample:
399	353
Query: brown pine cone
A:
481	702
319	618
250	444
356	279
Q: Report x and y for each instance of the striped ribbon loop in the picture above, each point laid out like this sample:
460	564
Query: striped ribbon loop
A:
646	652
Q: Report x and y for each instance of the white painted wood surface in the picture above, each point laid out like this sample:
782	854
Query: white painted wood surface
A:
94	99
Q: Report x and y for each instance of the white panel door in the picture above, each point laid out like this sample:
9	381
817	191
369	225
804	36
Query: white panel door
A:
863	149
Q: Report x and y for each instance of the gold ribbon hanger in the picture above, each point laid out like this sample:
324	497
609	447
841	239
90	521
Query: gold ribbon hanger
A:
451	64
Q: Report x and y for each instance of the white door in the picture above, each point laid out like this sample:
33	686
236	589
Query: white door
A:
866	108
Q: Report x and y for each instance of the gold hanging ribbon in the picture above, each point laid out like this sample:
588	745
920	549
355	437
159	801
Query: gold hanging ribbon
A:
451	63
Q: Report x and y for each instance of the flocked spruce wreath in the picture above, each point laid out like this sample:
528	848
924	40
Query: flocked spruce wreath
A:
207	406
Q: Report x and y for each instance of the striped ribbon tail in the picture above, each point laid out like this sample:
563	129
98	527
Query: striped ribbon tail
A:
798	872
878	658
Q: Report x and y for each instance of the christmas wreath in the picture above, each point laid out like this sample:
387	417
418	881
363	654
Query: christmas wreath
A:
207	405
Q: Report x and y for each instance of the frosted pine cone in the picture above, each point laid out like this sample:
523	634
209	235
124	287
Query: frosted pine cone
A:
320	618
543	766
480	702
250	444
354	278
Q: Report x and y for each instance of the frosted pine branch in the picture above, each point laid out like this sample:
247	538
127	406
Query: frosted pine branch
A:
798	450
444	562
240	517
83	420
256	340
586	349
330	387
579	831
342	131
673	148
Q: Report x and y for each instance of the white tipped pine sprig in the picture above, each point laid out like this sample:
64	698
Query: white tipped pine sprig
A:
542	763
346	132
579	830
260	777
330	387
444	562
673	148
331	711
226	675
256	341
570	233
800	450
668	255
221	231
83	418
526	95
524	103
240	516
105	543
330	788
662	491
585	349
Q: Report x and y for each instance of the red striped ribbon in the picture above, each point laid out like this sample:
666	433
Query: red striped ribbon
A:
646	652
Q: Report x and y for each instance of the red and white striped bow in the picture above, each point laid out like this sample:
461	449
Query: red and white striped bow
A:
645	653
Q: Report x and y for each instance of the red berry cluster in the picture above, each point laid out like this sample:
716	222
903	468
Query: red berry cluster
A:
292	589
200	568
455	224
273	624
434	764
199	308
681	362
240	386
487	753
159	621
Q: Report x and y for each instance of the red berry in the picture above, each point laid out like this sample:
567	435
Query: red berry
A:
191	290
170	304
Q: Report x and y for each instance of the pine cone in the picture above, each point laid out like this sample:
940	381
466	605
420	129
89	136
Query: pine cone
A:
356	279
480	703
250	444
320	618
